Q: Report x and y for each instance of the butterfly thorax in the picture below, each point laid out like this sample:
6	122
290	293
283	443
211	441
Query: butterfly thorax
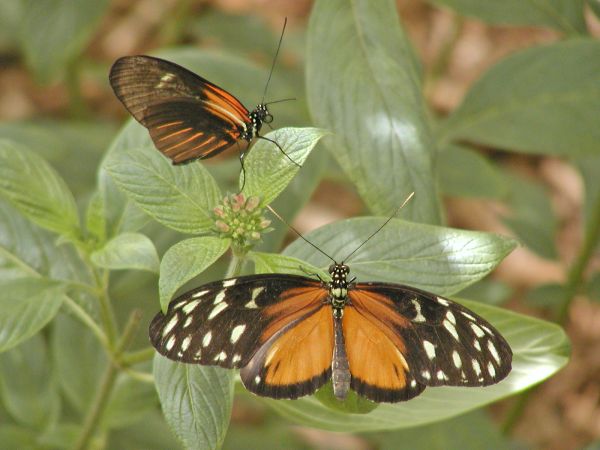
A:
338	288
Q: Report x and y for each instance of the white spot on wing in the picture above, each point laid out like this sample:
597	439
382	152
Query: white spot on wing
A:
190	306
219	298
236	333
476	345
413	384
187	322
426	374
257	379
170	325
216	310
236	358
186	343
477	330
441	375
493	351
170	343
456	359
491	369
221	357
206	339
448	326
476	367
429	349
201	293
418	316
468	316
443	301
451	317
229	283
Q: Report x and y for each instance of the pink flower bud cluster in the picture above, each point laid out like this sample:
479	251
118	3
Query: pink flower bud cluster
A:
239	219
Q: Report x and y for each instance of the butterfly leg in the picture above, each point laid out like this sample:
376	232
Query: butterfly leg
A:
340	370
242	156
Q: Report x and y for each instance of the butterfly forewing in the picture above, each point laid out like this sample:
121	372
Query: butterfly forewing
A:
442	342
225	323
187	116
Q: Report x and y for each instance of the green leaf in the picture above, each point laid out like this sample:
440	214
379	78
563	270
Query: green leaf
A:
536	227
489	291
185	260
121	214
151	434
540	349
436	259
36	190
13	437
27	250
29	392
130	402
79	360
26	305
275	263
463	172
127	251
473	431
196	401
179	197
268	171
524	104
95	221
562	15
54	32
363	82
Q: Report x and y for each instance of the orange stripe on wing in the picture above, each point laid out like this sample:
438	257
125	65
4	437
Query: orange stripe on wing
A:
176	133
179	144
170	124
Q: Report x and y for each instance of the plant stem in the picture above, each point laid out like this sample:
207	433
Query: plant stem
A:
235	265
577	269
138	356
106	312
82	315
107	383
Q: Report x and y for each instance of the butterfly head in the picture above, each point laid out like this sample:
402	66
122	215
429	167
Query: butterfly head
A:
261	115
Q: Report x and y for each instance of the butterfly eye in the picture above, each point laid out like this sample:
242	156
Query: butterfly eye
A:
268	118
331	269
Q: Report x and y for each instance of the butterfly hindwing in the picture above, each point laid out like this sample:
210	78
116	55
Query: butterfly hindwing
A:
442	342
296	360
188	117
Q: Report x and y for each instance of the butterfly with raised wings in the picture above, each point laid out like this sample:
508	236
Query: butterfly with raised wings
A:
290	334
187	116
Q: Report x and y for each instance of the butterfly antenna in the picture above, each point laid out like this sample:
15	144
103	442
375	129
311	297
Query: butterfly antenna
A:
382	225
274	60
279	147
282	100
299	234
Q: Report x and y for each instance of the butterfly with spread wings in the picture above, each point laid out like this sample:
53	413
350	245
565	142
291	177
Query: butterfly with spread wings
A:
188	117
290	334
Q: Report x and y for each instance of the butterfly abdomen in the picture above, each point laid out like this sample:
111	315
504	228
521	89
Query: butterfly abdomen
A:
340	370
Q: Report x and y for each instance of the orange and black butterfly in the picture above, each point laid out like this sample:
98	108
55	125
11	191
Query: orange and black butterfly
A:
290	334
188	117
